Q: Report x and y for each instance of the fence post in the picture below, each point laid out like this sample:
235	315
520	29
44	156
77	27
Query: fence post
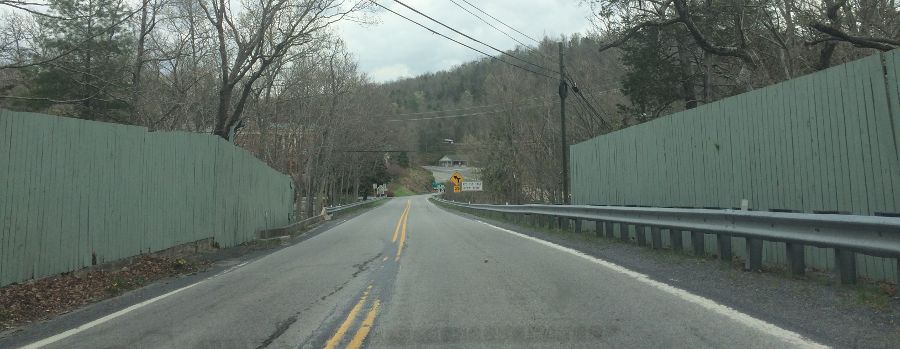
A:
698	243
796	259
724	244
640	234
656	238
845	263
676	239
754	254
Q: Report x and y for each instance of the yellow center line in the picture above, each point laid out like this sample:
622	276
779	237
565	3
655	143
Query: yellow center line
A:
405	212
333	342
366	326
402	236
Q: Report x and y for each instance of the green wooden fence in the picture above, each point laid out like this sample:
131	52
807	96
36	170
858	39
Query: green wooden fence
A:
825	142
72	191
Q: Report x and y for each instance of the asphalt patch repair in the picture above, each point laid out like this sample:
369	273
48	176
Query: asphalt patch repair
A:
53	296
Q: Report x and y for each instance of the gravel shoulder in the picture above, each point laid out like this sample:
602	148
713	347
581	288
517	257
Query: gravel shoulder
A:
850	316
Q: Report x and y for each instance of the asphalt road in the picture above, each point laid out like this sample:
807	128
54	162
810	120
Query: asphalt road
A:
409	274
443	174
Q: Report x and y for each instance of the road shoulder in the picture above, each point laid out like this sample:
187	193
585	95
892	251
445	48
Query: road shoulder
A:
829	314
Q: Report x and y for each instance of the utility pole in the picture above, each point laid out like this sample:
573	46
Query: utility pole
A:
563	92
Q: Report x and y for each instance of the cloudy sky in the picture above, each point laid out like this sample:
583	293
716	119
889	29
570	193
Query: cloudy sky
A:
396	48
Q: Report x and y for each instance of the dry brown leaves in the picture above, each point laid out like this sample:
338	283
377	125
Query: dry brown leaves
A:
37	300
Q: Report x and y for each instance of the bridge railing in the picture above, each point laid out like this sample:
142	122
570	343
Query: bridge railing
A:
847	235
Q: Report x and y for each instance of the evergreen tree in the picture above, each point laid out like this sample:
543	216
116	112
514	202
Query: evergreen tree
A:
403	160
651	81
90	79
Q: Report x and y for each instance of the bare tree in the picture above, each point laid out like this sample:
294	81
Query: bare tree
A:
260	33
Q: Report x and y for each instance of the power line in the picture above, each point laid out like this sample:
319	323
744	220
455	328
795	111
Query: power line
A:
579	93
470	47
440	117
501	22
481	113
486	22
578	71
471	38
449	110
588	105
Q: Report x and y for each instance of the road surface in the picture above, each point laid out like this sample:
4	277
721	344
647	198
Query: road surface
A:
409	274
442	174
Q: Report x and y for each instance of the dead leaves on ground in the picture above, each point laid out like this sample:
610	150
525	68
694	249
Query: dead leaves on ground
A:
36	300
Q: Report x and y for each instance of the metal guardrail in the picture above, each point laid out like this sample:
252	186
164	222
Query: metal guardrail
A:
846	234
336	210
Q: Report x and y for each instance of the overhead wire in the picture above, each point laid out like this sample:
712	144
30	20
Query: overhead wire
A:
501	22
471	38
581	95
451	39
488	23
591	110
578	71
458	109
476	113
535	48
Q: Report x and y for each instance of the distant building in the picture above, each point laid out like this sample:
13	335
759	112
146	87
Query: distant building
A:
452	161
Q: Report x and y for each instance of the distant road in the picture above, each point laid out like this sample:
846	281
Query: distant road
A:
410	275
443	174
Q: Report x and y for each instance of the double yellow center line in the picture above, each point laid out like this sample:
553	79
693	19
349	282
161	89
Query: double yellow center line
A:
363	331
403	218
366	326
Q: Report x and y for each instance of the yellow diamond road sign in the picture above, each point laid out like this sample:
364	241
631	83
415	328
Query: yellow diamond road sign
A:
456	178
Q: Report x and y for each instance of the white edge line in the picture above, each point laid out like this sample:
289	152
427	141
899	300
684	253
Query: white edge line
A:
793	338
56	338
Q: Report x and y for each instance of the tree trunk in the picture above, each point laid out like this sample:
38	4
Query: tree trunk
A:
687	84
139	63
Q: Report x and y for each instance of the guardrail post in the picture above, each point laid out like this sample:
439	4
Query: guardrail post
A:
845	263
598	229
623	232
656	238
754	254
609	230
698	243
796	259
531	219
577	226
641	235
724	244
677	240
564	223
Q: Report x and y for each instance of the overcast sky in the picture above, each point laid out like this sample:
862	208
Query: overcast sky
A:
397	48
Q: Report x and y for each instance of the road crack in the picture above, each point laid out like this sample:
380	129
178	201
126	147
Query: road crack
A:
279	330
362	266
